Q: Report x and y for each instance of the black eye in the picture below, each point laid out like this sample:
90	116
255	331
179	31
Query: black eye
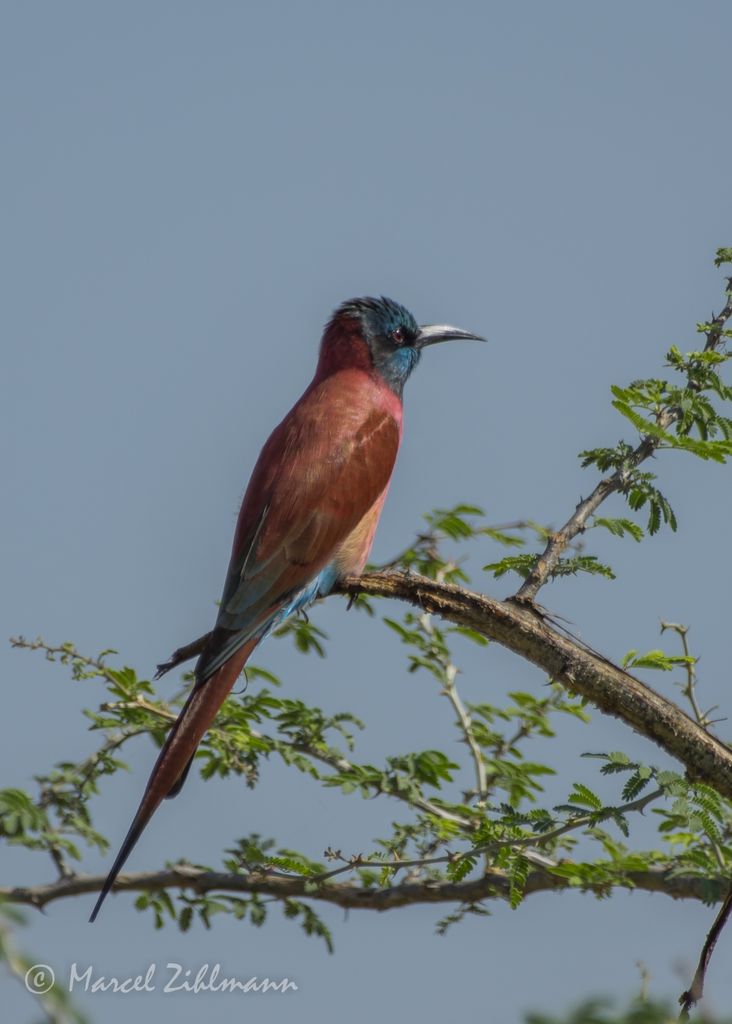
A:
398	335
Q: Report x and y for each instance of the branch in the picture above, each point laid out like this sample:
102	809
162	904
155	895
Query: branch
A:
524	631
449	671
494	884
327	757
342	764
691	997
565	659
558	541
689	690
576	523
528	844
466	725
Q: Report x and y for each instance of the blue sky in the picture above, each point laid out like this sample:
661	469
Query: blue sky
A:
187	191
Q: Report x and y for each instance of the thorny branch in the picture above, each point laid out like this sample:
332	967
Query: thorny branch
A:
494	884
449	674
692	996
494	846
568	661
689	690
576	523
526	632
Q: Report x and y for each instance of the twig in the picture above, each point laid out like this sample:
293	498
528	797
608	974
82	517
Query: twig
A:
576	523
19	966
341	764
466	726
692	996
492	847
48	798
334	761
67	654
689	690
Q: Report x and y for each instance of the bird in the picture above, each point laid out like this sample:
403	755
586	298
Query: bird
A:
307	519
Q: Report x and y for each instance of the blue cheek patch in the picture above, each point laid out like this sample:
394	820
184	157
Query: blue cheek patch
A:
397	366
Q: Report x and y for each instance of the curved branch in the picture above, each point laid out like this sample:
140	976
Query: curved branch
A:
693	995
494	884
524	631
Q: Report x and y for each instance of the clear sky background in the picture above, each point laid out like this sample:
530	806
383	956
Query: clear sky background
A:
188	189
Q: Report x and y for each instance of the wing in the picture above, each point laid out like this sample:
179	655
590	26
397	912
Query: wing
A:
318	475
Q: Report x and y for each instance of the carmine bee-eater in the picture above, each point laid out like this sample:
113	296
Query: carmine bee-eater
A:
308	517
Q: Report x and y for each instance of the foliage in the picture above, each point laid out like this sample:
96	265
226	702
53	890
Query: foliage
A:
478	819
602	1011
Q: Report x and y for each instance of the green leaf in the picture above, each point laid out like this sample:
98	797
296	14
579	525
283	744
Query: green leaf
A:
471	634
523	564
582	563
518	874
607	458
635	785
584	796
520	564
656	659
619	527
646	428
457	870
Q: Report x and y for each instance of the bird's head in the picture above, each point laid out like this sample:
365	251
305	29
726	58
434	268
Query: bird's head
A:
383	334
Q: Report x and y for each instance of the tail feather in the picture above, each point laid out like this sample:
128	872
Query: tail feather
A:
177	752
181	780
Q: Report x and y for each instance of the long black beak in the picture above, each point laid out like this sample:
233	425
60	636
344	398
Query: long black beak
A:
431	334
